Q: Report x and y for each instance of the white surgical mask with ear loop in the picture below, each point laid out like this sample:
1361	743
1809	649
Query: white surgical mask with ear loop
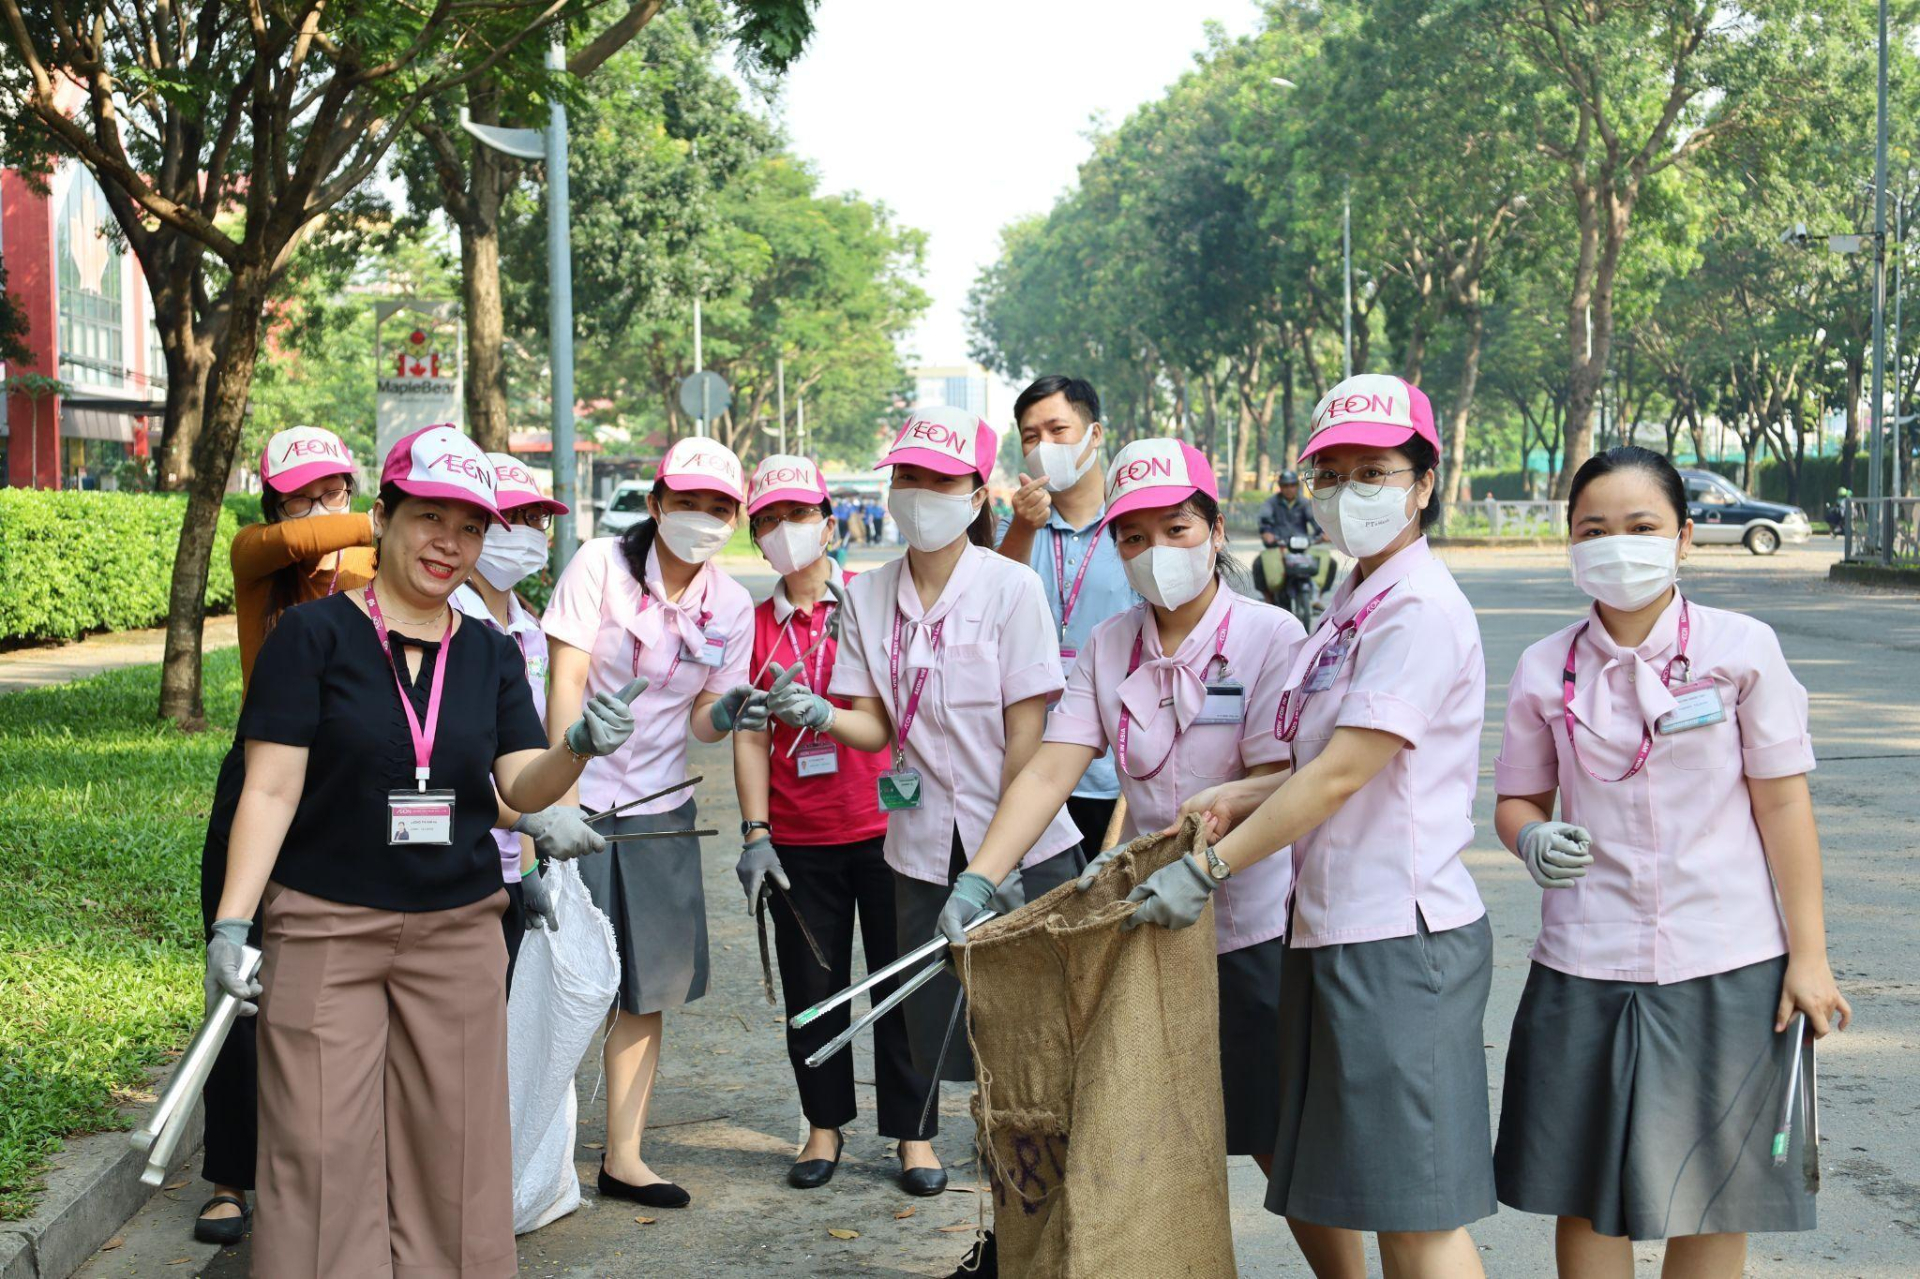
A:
1171	575
510	553
790	547
1064	464
694	536
929	519
1362	526
1626	572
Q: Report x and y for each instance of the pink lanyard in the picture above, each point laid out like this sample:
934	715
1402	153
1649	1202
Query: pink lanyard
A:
1646	729
904	722
1284	728
1069	598
1133	664
422	735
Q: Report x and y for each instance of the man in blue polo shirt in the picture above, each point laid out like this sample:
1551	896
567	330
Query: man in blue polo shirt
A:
1055	530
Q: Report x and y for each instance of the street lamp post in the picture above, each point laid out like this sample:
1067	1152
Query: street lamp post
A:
1876	450
550	145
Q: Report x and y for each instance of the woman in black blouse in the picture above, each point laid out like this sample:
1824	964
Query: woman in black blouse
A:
377	727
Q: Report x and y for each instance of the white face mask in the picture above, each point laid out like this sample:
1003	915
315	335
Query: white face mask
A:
1064	464
1362	526
510	554
930	520
790	547
1626	572
1171	575
694	536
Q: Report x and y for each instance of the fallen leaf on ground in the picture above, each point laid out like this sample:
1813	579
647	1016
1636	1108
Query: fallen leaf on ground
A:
955	1228
903	1214
643	1221
180	1261
844	1234
596	1145
112	1243
173	1185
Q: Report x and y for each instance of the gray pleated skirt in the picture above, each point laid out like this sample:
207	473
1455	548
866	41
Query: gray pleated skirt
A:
929	1010
1650	1110
1250	1044
1383	1083
651	891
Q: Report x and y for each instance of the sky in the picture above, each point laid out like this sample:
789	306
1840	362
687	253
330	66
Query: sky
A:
963	118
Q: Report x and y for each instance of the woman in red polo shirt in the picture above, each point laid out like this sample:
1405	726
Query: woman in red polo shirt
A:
813	837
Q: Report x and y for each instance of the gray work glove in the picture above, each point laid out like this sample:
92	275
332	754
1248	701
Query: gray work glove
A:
757	864
796	704
971	894
536	898
1173	896
1555	853
560	833
741	706
606	722
1085	881
223	966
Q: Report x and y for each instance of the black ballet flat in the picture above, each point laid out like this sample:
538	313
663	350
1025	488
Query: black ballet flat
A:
225	1231
660	1194
811	1174
924	1182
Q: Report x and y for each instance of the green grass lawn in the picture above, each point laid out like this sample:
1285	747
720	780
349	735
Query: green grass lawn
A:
102	813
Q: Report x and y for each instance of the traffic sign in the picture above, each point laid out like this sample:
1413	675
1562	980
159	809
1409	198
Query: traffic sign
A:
705	395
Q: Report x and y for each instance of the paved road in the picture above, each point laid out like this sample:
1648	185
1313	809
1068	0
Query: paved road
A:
726	1119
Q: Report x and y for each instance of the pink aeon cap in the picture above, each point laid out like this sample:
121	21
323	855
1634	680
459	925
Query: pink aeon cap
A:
300	455
784	477
514	486
699	463
1375	409
944	439
441	462
1157	472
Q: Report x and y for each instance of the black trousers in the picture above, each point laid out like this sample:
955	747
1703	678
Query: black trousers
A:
513	923
832	883
231	1092
1091	817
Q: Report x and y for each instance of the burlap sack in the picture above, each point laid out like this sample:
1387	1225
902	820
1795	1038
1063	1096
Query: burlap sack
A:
1102	1134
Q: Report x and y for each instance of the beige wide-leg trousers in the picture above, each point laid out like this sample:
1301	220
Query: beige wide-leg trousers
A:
384	1144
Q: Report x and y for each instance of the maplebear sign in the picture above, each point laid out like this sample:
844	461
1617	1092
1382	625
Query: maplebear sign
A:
417	367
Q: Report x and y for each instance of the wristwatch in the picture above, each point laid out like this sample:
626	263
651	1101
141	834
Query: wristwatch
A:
1215	867
747	828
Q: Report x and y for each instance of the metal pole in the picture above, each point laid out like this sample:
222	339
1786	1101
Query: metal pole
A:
780	393
1876	453
1346	257
800	425
1899	383
560	315
699	358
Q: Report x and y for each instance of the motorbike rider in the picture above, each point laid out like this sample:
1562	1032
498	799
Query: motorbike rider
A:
1283	516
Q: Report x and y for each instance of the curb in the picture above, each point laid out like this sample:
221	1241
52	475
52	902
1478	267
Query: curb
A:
1895	576
93	1188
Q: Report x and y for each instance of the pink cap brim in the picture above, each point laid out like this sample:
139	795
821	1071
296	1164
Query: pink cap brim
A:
932	460
810	496
1376	435
438	492
695	483
305	474
1149	499
556	508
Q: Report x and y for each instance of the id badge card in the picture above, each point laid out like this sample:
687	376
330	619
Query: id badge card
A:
818	758
1226	703
899	789
1326	667
1067	654
1698	706
712	650
420	817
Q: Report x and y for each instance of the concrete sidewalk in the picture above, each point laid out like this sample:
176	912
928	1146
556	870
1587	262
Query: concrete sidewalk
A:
37	667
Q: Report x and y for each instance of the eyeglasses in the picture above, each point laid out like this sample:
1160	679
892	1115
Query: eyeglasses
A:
761	525
1366	480
534	517
335	500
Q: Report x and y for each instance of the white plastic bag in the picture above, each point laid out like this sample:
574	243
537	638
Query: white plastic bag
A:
563	985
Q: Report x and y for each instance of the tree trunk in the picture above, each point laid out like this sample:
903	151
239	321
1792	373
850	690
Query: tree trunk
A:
1416	356
1461	411
1289	459
1850	438
1210	407
189	359
485	382
226	410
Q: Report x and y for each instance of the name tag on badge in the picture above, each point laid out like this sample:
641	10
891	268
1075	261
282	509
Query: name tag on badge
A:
899	789
1699	705
1067	655
817	759
712	652
420	817
1226	703
1326	667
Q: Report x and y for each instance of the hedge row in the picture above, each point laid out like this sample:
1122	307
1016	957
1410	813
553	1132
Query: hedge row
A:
73	562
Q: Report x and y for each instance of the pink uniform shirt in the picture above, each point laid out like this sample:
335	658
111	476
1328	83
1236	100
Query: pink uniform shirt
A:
1163	693
1679	886
598	607
524	629
1393	849
998	646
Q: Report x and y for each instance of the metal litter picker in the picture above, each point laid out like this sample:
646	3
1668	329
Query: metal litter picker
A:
159	1137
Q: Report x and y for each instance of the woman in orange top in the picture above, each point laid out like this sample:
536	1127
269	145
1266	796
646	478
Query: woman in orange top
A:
309	546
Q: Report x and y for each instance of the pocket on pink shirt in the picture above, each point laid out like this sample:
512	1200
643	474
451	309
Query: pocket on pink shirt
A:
1708	748
971	674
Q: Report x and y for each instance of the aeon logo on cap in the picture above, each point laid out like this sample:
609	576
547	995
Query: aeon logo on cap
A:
515	474
922	432
1372	398
785	477
1143	470
463	464
311	448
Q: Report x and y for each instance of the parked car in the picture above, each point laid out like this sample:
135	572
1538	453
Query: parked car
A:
1723	515
625	508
